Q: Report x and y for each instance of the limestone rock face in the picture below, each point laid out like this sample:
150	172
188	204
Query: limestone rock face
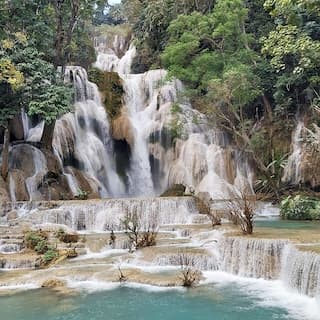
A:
123	130
111	87
4	195
21	158
86	184
18	179
36	173
310	168
303	164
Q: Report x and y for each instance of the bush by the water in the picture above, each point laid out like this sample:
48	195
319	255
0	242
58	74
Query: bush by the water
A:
66	237
50	255
300	208
35	240
38	241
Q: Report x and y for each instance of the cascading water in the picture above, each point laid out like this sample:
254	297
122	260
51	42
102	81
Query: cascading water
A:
40	169
252	257
301	271
107	214
199	157
84	137
292	172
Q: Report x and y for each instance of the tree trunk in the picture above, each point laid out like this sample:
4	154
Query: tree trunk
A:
5	155
47	136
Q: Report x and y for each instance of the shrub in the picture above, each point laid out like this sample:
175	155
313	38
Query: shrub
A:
140	236
50	255
300	208
82	195
66	237
41	247
34	238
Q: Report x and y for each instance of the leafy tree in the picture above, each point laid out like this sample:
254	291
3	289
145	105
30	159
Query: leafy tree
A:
11	84
43	92
294	48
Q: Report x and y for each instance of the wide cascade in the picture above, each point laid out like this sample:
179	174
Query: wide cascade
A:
172	142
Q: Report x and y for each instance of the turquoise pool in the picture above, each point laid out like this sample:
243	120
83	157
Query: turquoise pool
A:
204	303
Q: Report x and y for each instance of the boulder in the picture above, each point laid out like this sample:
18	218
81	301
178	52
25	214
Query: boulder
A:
12	215
53	283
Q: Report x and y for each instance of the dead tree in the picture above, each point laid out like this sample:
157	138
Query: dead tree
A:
190	276
140	236
241	211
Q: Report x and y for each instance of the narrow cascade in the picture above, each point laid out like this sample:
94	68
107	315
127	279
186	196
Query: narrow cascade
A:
31	133
301	271
107	214
172	142
255	258
12	188
292	172
82	139
40	169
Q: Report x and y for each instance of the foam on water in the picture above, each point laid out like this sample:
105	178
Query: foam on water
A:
269	294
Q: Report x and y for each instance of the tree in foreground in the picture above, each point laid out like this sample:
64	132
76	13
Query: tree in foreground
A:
140	235
241	211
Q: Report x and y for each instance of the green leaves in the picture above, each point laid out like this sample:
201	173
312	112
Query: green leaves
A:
51	103
289	42
27	81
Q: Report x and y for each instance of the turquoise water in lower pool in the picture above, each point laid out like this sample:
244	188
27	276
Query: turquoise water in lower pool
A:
287	224
126	303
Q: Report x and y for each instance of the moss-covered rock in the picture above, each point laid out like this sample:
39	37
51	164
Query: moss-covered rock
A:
111	88
177	190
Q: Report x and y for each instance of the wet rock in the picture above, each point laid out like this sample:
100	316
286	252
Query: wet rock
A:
178	190
86	184
16	128
4	195
122	129
18	177
53	283
12	215
21	157
111	87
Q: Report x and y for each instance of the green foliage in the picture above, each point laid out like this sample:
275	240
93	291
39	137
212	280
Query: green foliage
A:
110	85
177	123
35	239
50	255
300	208
42	92
41	247
82	195
294	49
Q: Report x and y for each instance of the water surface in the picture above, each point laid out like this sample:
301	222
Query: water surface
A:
125	303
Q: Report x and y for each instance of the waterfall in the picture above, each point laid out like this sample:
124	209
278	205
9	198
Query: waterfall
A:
40	169
272	259
292	172
12	188
84	137
197	261
107	214
256	258
31	133
301	271
200	156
